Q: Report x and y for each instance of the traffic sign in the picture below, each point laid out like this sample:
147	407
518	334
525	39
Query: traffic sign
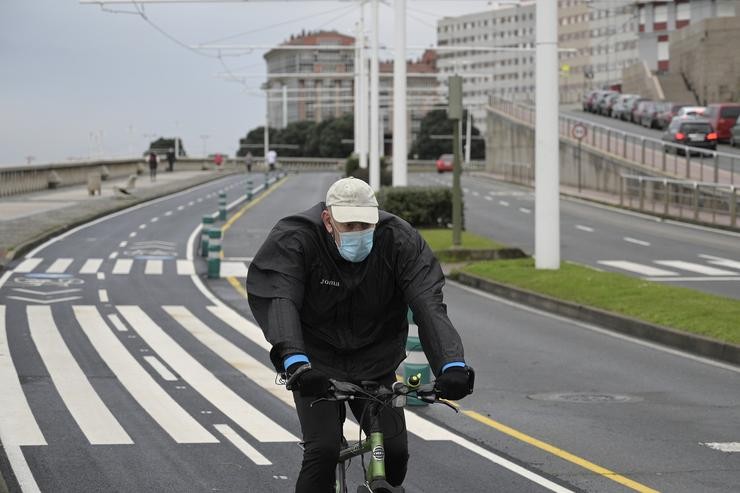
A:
578	131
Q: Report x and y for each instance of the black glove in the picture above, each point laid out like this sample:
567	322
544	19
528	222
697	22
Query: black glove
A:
455	383
308	381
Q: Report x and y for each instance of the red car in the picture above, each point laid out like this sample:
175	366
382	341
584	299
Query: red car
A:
722	117
444	163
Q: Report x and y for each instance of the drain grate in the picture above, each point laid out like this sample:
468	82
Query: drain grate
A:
584	397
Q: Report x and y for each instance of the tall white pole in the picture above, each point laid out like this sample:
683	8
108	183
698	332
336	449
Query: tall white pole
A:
358	34
363	92
267	133
400	141
374	101
547	156
285	105
468	135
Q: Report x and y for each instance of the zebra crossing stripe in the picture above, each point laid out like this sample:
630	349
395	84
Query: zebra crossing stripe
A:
233	269
241	444
153	267
698	268
185	267
91	266
28	265
123	266
238	358
59	266
724	262
241	325
95	420
168	414
18	426
203	381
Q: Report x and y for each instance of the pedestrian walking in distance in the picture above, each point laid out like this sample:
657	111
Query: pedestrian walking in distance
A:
248	161
171	158
153	159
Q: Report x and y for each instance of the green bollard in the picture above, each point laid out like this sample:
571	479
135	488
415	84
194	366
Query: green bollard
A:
416	361
214	253
249	189
222	209
207	223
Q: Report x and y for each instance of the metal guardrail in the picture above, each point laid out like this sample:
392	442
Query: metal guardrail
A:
663	157
681	199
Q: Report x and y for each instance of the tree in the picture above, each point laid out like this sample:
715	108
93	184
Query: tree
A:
436	123
296	133
255	140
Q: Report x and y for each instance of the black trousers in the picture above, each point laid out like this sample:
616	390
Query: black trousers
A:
322	431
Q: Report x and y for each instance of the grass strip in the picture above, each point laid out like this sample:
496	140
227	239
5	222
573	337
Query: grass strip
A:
677	307
441	239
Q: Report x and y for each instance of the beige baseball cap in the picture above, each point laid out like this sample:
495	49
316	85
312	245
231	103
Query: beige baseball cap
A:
352	200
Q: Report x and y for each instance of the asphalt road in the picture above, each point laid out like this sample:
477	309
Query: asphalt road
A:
118	375
605	238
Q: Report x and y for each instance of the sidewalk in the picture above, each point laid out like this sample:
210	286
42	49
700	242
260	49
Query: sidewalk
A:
29	219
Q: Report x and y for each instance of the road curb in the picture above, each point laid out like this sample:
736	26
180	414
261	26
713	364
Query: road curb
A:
667	336
29	244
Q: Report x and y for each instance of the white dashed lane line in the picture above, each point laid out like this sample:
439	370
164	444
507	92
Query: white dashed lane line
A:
504	203
636	241
526	211
584	228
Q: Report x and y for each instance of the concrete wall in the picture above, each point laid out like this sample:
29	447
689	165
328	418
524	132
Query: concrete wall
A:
706	53
511	152
637	79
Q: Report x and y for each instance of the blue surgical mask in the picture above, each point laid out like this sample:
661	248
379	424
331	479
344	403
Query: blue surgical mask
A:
355	246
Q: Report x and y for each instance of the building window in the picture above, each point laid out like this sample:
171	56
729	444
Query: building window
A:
660	13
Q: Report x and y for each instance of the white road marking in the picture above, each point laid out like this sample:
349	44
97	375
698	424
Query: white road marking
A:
430	431
185	267
59	266
101	276
584	228
180	207
154	219
203	381
132	234
182	427
122	266
91	266
45	293
241	325
168	213
120	327
504	203
489	198
95	420
20	468
113	255
103	295
241	444
693	279
642	269
636	241
160	368
191	203
233	269
724	446
476	194
698	268
238	259
524	210
28	265
142	226
724	262
44	302
123	244
153	267
466	190
18	426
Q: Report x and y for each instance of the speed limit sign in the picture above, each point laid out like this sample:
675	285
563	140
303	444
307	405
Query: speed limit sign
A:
578	131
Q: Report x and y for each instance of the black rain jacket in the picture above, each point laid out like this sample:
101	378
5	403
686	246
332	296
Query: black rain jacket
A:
349	318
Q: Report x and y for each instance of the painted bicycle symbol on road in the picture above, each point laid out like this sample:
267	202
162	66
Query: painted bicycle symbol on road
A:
37	282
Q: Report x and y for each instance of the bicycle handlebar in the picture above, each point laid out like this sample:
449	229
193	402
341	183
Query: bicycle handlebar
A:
344	391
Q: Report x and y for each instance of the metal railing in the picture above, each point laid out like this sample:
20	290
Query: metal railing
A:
703	202
663	157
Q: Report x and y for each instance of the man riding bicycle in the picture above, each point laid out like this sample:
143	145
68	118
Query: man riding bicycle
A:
330	288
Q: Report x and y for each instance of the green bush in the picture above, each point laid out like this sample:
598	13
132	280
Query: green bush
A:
352	168
423	207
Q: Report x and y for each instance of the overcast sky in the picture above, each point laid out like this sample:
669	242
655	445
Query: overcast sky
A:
75	78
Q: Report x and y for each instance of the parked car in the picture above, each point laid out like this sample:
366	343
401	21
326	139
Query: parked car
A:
444	163
735	134
605	102
588	98
620	106
632	106
690	131
722	116
691	111
641	107
649	116
667	113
